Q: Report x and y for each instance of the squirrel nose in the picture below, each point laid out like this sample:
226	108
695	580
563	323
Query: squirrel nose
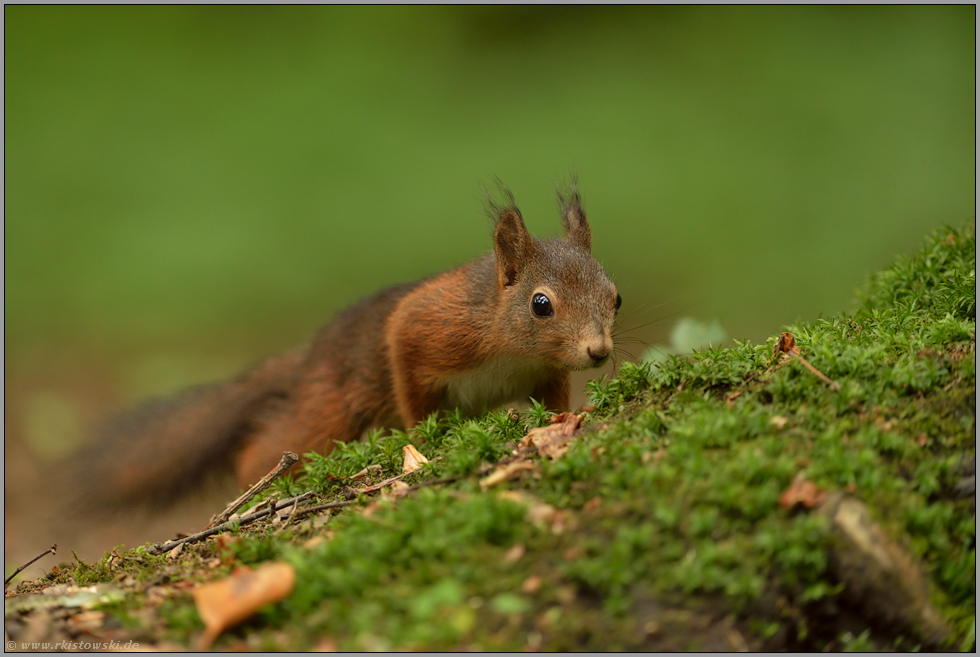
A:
598	354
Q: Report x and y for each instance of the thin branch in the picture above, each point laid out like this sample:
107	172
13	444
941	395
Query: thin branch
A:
166	546
287	460
51	550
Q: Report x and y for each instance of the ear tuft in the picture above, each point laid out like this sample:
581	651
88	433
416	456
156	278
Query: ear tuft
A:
513	246
573	215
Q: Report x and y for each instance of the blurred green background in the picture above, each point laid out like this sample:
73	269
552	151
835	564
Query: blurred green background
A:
190	189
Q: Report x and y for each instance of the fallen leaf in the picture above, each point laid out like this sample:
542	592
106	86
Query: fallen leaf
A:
369	510
531	584
325	644
514	554
802	492
413	459
593	504
922	440
553	440
778	421
227	602
785	344
396	491
506	473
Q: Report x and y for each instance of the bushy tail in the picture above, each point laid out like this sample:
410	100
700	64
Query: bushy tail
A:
168	448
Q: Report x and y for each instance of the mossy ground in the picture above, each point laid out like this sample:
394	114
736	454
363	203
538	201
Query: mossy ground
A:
663	527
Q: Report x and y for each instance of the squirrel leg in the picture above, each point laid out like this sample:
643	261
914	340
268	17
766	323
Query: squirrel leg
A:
553	392
416	401
316	419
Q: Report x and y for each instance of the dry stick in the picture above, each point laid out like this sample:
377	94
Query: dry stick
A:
382	484
51	550
157	548
166	546
336	505
823	377
786	344
287	460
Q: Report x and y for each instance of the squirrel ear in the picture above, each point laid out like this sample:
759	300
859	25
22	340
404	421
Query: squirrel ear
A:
573	218
512	244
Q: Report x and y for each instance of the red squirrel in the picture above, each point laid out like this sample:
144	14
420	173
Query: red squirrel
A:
505	327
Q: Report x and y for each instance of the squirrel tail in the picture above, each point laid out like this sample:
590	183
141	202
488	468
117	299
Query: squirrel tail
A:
168	448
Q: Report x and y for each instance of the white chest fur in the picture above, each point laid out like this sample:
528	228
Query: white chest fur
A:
496	382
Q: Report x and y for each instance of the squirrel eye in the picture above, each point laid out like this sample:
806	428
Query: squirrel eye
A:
541	306
619	301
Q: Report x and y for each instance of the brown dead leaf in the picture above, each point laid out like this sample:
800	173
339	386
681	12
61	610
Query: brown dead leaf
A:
785	344
802	492
227	602
593	504
325	644
514	554
553	440
531	584
506	473
413	459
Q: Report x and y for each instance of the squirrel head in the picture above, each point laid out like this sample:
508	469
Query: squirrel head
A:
554	301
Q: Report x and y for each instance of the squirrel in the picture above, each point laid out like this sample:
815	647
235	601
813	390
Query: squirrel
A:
509	325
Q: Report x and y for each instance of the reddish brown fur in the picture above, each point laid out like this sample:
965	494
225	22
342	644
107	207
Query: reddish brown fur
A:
391	360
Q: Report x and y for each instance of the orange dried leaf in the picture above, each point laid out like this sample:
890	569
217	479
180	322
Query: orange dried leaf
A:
593	504
413	459
531	584
802	492
227	602
514	554
506	473
785	344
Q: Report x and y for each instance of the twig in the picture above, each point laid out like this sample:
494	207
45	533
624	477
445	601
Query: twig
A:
51	550
382	484
435	482
322	507
337	505
786	345
287	460
292	511
166	546
823	377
